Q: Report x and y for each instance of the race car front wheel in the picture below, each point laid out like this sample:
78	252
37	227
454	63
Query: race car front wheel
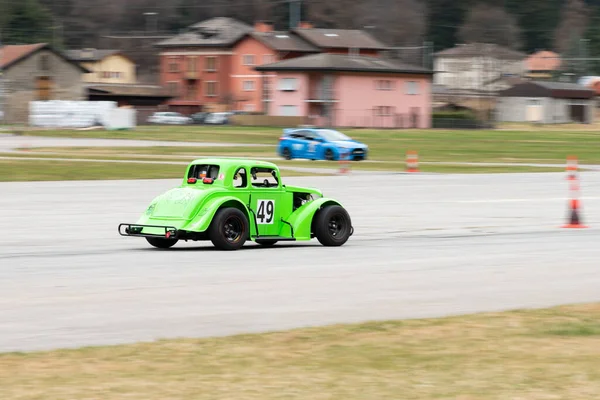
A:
329	155
229	229
161	243
333	226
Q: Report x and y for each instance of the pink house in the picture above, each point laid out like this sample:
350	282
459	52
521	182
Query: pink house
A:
349	90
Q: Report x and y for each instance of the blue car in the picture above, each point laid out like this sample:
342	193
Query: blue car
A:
320	144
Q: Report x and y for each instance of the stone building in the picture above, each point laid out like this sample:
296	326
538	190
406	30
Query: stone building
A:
37	72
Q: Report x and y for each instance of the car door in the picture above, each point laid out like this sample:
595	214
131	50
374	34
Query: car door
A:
305	144
266	200
296	144
313	145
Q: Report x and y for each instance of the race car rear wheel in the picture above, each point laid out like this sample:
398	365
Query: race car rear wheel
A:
286	153
229	229
161	243
333	226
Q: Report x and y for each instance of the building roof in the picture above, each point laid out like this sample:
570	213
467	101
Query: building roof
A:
214	32
478	49
558	90
128	90
284	41
543	61
343	62
339	38
82	55
12	54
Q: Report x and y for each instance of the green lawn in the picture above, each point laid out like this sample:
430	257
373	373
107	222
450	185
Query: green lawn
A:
545	145
188	133
23	169
387	147
536	354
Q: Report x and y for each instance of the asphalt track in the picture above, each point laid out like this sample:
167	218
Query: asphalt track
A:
424	246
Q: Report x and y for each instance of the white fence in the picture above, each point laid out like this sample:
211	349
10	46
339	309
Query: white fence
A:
80	114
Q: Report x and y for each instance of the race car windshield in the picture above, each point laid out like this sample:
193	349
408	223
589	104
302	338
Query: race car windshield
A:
333	136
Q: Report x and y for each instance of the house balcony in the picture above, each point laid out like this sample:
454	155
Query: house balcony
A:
321	90
319	95
191	75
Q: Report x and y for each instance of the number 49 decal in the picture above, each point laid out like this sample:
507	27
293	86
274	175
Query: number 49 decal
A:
265	212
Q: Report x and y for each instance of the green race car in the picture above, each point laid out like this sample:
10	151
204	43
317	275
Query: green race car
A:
229	201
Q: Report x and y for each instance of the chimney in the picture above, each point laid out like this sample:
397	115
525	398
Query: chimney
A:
305	25
263	26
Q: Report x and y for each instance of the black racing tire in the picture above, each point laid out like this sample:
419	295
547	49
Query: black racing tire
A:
161	243
333	226
286	153
266	242
329	156
229	229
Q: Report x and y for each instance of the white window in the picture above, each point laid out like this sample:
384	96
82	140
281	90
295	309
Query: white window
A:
268	58
288	84
288	111
248	59
412	87
248	86
249	107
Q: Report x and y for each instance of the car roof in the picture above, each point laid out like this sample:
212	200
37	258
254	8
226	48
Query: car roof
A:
289	131
227	163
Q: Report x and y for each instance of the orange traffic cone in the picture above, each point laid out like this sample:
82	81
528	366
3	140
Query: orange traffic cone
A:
344	163
571	168
412	161
574	219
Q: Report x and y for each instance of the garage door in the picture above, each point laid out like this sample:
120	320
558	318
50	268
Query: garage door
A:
577	113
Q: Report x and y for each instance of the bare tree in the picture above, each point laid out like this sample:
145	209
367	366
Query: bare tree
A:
573	23
490	24
395	22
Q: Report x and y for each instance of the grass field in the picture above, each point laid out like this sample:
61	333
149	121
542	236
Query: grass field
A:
387	151
39	170
545	146
24	168
537	354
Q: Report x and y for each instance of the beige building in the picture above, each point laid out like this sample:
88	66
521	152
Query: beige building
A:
37	72
476	67
106	66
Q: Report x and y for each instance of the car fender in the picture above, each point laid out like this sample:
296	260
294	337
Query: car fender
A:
301	219
342	151
205	215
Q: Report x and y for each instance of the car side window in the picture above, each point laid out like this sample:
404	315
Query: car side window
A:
263	177
310	136
240	178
